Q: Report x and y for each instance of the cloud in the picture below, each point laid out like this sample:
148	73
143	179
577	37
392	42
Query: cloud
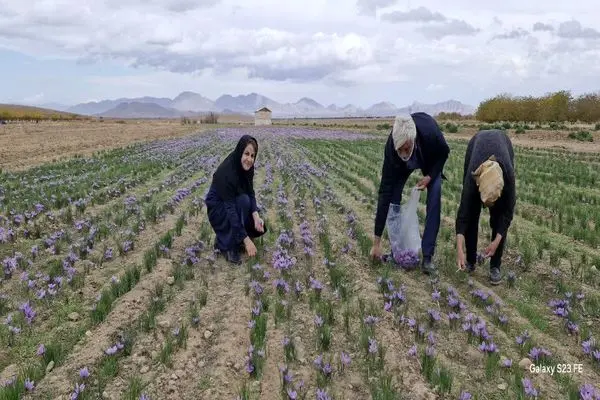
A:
420	14
452	27
176	6
454	47
574	30
541	27
437	26
433	87
369	7
34	99
514	34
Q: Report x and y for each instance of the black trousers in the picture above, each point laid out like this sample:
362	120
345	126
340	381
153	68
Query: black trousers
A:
472	236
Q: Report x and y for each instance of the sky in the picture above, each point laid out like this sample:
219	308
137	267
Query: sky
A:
333	51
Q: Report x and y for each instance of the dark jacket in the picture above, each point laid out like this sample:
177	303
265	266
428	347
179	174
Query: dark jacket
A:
434	150
228	182
480	148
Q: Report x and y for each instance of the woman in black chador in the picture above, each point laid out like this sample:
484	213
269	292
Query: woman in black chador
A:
231	203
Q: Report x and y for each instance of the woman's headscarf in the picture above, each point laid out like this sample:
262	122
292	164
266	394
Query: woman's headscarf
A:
230	179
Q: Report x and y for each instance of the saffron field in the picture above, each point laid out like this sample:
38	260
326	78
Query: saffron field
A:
111	289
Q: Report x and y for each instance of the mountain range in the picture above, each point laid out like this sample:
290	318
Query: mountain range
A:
193	104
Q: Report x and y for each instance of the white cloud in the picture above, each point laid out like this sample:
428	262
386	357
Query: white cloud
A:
433	87
348	48
34	99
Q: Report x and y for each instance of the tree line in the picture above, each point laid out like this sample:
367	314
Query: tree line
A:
17	114
559	106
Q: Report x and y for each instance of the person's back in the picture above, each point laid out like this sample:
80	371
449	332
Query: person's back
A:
488	179
486	143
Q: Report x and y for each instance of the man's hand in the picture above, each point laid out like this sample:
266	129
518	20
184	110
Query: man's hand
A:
259	224
422	184
460	254
491	249
376	248
460	259
250	247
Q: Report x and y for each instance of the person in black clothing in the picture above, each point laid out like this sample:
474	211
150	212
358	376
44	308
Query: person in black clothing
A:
488	181
415	142
231	202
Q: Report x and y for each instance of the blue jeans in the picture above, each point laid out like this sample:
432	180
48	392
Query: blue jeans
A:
433	206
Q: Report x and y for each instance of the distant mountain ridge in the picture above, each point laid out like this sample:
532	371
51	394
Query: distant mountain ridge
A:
190	103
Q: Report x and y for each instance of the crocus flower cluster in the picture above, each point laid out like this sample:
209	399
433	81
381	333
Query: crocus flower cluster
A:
406	259
307	239
290	390
591	348
78	391
114	349
538	354
192	253
28	312
563	309
324	367
11	264
251	359
475	327
282	260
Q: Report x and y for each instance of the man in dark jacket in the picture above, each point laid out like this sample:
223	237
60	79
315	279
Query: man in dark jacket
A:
416	142
488	180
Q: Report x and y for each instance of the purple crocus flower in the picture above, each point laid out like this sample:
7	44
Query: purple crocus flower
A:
588	392
372	346
412	351
430	351
434	314
318	361
530	391
79	388
318	321
345	358
84	372
587	346
29	385
322	395
387	306
292	394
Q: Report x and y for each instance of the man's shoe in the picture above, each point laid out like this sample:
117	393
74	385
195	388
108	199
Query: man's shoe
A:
495	277
429	268
233	256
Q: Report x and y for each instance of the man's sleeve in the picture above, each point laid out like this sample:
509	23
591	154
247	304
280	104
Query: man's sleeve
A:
386	188
443	151
469	195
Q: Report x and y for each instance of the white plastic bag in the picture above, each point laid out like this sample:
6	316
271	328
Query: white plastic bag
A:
403	226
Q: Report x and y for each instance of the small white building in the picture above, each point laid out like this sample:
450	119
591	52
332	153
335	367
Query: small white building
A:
262	116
